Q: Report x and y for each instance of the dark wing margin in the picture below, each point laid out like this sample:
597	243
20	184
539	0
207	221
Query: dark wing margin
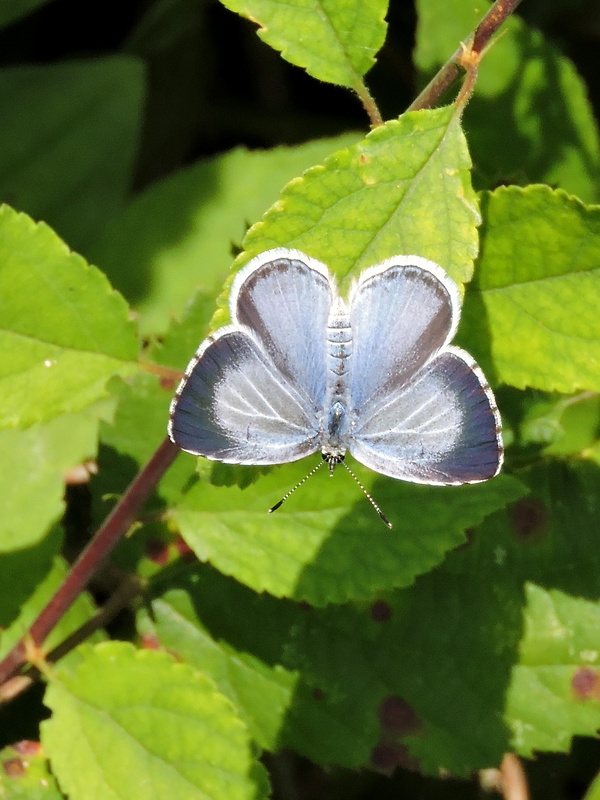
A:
284	298
441	427
402	312
234	406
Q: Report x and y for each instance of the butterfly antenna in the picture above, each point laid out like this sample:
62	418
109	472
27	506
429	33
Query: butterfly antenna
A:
382	516
297	486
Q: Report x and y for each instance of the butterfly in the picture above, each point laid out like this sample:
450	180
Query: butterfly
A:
300	370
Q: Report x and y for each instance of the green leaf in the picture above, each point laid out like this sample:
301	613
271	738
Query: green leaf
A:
405	188
25	774
128	442
555	689
127	719
78	614
537	294
188	624
21	571
438	672
11	10
314	546
334	40
32	485
593	792
326	544
177	236
530	119
68	141
184	335
564	425
64	330
457	653
242	640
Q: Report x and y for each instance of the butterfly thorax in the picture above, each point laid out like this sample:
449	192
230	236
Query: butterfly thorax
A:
335	430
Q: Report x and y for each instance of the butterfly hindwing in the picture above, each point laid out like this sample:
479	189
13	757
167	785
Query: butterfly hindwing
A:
267	388
234	406
441	427
254	393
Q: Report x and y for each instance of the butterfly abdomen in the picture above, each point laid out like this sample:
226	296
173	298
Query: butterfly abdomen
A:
336	428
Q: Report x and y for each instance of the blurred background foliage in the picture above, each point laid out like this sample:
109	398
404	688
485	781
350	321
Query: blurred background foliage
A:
146	88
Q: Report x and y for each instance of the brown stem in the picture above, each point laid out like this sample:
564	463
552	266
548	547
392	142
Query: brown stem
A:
165	373
369	105
500	11
131	588
438	85
116	524
452	69
469	60
513	780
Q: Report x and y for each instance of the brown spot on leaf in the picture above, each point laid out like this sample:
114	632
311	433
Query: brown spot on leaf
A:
168	384
27	747
529	517
150	641
157	551
381	611
184	550
80	474
318	694
398	717
13	767
386	757
586	683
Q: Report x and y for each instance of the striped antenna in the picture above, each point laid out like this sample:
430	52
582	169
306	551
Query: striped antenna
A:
382	516
332	462
293	489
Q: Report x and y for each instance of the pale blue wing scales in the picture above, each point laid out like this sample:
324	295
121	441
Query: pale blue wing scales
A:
234	406
401	312
441	427
284	298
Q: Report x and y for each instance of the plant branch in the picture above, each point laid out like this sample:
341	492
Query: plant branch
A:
115	526
369	105
513	780
164	373
509	779
457	64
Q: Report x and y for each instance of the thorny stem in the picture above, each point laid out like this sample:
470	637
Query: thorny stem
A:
457	64
115	525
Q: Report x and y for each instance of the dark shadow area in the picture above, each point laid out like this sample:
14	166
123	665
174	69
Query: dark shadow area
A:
21	718
22	571
504	149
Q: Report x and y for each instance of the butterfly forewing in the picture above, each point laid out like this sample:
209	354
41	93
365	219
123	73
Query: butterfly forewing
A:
286	303
401	313
267	390
233	406
254	393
